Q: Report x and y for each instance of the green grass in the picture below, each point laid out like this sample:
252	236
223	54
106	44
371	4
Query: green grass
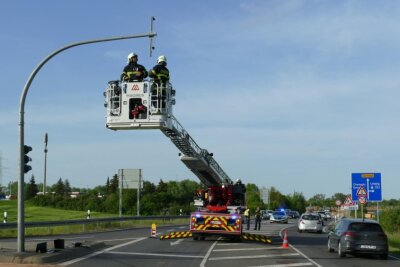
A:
394	243
37	214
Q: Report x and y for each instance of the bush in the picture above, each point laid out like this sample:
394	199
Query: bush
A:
390	220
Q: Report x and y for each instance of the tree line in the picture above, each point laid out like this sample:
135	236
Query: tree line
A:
164	198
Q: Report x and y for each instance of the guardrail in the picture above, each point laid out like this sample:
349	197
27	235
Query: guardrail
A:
91	221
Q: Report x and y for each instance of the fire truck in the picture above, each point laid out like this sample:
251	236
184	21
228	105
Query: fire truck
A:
147	105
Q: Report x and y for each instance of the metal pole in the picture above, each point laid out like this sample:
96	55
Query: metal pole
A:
45	163
377	211
121	178
138	193
21	208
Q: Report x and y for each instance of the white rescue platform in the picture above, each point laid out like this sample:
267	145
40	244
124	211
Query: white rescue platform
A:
138	105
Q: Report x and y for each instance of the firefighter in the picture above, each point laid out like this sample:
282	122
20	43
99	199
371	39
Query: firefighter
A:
133	71
160	73
247	216
257	217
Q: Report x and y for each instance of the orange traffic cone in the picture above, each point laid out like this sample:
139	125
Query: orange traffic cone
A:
285	243
153	230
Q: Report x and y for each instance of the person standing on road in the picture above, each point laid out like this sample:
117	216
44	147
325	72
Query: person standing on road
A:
257	217
247	216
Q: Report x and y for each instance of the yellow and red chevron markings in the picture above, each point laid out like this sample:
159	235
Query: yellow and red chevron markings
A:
255	237
174	235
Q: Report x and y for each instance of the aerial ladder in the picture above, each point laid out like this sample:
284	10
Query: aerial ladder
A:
148	105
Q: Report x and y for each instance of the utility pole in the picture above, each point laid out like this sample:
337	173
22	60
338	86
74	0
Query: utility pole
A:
21	124
46	139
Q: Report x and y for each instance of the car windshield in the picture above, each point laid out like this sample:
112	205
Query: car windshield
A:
365	227
310	217
279	213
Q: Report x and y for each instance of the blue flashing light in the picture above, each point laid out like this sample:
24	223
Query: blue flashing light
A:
198	215
234	217
282	209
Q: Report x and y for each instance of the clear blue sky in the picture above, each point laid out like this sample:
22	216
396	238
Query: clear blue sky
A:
292	94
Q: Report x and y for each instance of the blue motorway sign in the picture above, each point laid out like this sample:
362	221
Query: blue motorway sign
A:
371	183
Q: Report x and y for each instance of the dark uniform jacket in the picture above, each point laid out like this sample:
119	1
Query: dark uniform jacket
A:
134	72
160	74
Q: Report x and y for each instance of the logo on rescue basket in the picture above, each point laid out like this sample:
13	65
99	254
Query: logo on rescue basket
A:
135	87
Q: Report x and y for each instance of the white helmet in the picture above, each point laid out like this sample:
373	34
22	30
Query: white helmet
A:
162	58
131	55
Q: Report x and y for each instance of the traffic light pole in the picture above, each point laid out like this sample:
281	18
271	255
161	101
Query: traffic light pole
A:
21	208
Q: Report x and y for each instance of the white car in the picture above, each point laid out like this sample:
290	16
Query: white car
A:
278	216
310	222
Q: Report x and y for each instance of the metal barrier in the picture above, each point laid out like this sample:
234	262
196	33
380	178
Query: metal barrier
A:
91	221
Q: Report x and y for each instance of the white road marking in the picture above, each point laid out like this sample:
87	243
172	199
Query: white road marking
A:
120	239
394	257
244	249
203	262
177	242
154	254
285	265
229	244
252	257
101	252
298	251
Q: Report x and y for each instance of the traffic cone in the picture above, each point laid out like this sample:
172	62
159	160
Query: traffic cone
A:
285	243
153	230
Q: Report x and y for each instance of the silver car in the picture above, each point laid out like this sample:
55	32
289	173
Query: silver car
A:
310	222
278	216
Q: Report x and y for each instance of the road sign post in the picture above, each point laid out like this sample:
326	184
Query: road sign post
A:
366	187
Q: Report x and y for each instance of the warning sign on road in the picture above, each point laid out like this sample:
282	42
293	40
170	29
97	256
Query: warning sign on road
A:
348	201
361	192
362	200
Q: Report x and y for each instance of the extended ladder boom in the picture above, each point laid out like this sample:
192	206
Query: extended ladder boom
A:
146	105
198	160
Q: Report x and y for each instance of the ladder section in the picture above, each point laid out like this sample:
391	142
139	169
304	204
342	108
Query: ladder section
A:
198	160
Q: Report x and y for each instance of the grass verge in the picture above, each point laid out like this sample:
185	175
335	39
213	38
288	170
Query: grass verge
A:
394	243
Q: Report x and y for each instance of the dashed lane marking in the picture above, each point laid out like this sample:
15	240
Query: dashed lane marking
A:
101	251
286	265
253	257
244	249
154	254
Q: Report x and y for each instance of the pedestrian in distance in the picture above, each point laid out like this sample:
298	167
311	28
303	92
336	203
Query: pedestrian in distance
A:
133	71
247	216
257	217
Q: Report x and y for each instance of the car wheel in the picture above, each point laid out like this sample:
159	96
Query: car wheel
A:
300	231
195	237
383	256
330	249
341	253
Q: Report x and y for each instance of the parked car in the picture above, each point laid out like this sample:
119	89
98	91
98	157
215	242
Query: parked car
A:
310	222
357	236
294	214
265	214
278	216
322	214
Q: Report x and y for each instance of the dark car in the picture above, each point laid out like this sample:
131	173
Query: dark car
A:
357	236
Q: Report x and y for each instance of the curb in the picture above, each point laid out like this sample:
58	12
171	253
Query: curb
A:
52	256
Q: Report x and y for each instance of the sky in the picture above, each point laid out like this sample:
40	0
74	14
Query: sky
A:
297	95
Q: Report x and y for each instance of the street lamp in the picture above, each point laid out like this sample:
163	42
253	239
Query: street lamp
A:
21	219
46	139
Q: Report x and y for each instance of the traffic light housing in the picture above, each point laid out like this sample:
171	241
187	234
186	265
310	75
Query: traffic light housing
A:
27	167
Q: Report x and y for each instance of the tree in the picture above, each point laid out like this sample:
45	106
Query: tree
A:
114	184
297	202
67	187
31	189
59	188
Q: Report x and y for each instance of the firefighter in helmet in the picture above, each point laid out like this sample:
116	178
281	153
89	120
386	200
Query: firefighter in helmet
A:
160	73
133	71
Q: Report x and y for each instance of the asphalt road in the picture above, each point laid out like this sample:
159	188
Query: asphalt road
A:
136	248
